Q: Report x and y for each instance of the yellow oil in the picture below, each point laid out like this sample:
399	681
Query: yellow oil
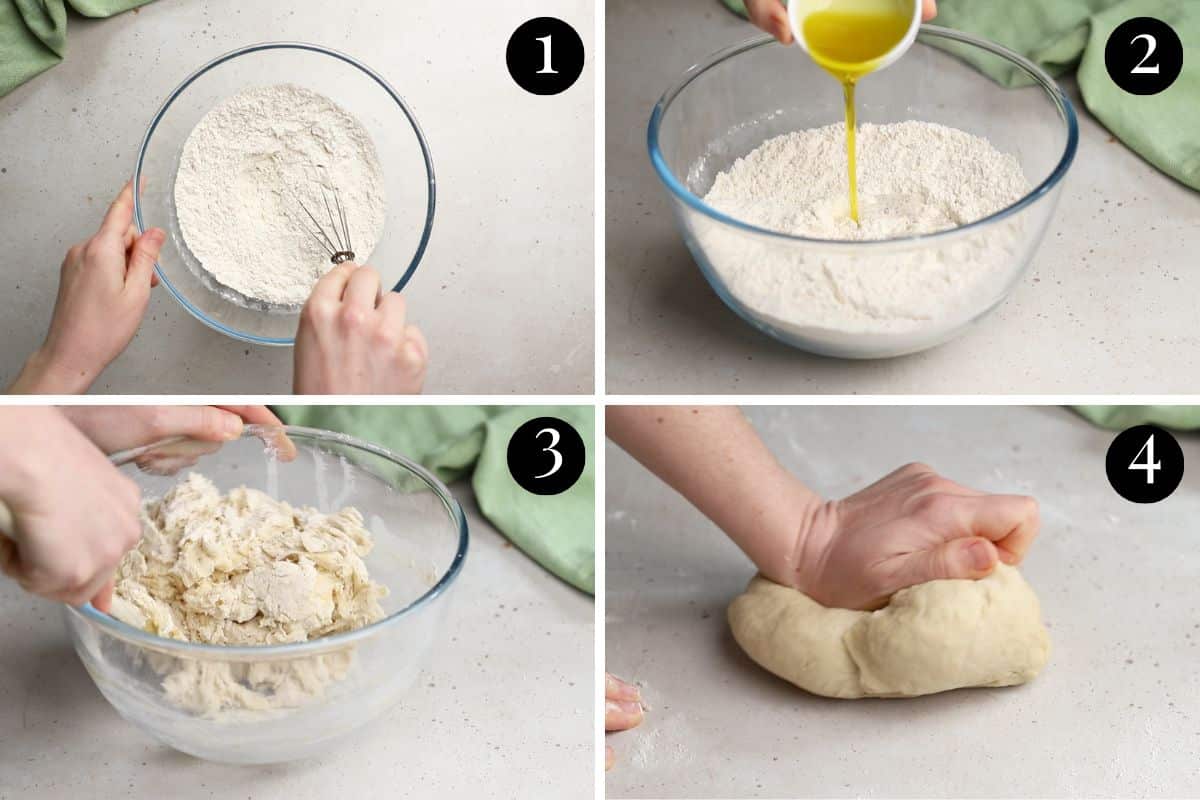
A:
849	42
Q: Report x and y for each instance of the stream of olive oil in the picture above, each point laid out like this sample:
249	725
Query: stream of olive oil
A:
849	43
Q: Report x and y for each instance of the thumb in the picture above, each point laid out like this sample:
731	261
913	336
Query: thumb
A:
140	271
103	599
968	558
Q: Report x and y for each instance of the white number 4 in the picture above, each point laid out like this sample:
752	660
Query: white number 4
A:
555	437
548	65
1150	465
1141	68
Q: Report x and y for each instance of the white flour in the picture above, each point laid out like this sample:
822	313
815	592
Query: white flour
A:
913	178
244	170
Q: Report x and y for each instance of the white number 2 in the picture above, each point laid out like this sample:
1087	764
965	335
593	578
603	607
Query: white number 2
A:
548	62
555	437
1141	68
1150	465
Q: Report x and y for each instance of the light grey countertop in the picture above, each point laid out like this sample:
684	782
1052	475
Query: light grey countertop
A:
1108	305
512	255
504	709
1115	713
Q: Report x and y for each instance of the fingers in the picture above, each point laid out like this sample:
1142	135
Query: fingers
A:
617	689
120	214
772	17
1010	522
610	758
620	715
928	10
285	448
362	290
332	286
959	559
103	599
145	252
255	415
206	423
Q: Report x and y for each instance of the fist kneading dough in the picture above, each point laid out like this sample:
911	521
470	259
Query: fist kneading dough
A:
936	636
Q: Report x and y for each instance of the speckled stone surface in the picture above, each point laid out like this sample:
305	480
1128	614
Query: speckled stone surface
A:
505	293
1108	305
504	708
1115	713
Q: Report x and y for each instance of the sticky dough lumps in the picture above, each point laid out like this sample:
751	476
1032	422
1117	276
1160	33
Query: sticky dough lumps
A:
933	637
245	569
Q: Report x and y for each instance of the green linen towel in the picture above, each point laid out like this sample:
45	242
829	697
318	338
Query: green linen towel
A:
33	34
557	531
1118	418
1063	35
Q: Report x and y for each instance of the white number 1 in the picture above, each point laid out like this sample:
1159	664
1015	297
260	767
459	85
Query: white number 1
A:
548	68
1140	69
1150	466
555	436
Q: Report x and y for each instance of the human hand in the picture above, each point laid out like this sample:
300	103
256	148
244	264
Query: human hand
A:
911	527
116	428
353	339
74	514
622	711
772	16
103	291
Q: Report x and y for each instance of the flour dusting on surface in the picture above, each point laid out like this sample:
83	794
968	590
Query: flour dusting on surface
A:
244	171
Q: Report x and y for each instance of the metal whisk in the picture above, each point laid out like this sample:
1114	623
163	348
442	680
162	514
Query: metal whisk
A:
338	245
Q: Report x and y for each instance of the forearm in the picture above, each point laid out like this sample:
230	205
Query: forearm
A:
716	460
20	467
44	374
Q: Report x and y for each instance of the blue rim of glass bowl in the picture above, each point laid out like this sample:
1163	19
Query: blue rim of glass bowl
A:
681	191
431	181
263	432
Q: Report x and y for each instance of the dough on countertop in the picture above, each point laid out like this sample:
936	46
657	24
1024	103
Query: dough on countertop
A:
246	569
936	636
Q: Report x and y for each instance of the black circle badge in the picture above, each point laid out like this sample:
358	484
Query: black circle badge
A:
546	456
545	56
1143	55
1144	464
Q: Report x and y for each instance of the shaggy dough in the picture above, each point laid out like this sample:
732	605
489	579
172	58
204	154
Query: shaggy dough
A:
933	637
246	569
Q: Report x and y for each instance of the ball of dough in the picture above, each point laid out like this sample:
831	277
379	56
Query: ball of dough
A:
933	637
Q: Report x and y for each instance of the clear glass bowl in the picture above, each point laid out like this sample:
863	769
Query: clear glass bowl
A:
727	106
403	155
351	678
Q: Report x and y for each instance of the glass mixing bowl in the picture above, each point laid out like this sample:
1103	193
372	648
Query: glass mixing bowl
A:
727	106
403	155
348	679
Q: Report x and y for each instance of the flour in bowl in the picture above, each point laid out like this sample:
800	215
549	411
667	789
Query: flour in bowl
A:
913	178
245	170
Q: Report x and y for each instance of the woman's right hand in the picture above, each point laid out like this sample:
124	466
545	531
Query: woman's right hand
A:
74	515
622	711
355	338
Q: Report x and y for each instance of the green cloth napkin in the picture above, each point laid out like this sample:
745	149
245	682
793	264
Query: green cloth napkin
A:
557	531
33	34
1062	35
1117	418
1067	34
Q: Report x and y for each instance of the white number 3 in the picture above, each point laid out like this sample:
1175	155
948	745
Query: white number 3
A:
1150	465
555	438
1141	68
